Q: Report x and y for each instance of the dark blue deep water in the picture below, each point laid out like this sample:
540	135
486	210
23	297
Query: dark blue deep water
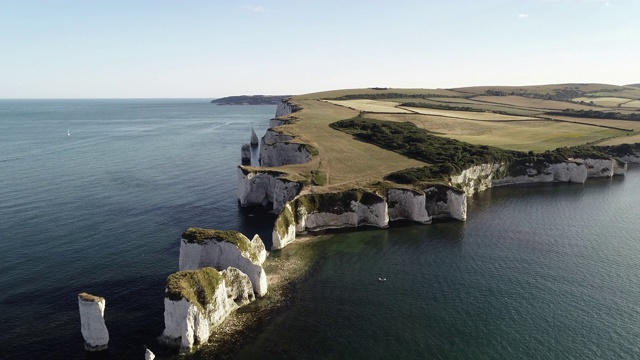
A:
537	272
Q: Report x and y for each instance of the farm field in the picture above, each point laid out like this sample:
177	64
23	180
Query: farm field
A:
472	115
536	135
632	104
342	159
603	101
521	101
370	105
345	162
620	124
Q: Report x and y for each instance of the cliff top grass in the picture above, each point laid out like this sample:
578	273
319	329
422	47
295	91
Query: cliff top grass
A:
200	236
510	118
90	298
196	286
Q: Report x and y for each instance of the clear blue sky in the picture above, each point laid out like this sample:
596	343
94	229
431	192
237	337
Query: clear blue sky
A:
120	49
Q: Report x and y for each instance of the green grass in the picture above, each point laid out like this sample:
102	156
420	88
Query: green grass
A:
200	235
196	286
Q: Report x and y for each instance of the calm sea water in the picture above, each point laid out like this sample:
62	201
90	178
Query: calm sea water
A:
538	272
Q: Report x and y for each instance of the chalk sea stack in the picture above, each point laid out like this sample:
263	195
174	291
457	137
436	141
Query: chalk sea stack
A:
94	330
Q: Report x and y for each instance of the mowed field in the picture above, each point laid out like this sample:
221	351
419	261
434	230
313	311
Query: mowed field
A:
526	102
370	105
343	159
537	135
470	115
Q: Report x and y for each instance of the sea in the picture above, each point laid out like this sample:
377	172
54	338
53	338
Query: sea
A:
94	195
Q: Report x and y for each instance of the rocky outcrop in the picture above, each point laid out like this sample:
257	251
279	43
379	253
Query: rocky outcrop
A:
407	204
354	208
313	212
221	249
630	158
602	167
478	177
560	172
245	154
254	138
279	149
446	203
287	107
196	301
266	188
148	355
94	330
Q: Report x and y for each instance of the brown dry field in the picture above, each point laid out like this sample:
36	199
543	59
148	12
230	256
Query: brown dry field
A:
603	101
532	103
536	135
619	124
370	105
470	115
344	160
632	104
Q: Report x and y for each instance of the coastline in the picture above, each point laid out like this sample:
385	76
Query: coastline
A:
286	269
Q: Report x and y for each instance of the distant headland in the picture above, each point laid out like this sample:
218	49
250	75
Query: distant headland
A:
250	100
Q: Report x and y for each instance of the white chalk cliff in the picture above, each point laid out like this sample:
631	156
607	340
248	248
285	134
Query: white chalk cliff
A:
352	208
94	330
221	249
279	149
196	301
265	188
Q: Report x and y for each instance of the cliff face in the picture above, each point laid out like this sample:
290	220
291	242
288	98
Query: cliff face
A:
196	301
94	330
277	150
286	107
481	177
406	204
222	249
353	208
265	188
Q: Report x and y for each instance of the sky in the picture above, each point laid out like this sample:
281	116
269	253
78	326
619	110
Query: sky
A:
210	49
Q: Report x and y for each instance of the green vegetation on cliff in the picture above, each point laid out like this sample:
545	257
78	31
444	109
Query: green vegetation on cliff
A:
196	286
200	235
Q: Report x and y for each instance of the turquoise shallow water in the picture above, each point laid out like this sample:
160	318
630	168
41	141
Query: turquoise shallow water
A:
536	272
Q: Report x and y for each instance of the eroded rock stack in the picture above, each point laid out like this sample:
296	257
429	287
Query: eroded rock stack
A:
94	330
196	301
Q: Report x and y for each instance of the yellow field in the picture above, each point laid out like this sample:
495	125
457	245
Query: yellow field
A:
472	115
620	124
603	101
532	103
537	135
370	105
632	104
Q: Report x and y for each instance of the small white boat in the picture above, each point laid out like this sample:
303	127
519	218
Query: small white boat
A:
68	132
382	279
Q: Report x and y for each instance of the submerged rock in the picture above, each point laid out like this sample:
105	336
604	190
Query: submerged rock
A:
94	330
196	301
221	249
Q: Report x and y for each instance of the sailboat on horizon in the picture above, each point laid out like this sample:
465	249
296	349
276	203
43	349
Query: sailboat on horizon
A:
68	132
